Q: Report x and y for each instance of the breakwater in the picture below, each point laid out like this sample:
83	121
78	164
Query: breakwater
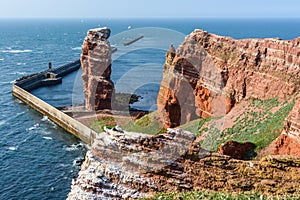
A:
47	77
21	90
133	40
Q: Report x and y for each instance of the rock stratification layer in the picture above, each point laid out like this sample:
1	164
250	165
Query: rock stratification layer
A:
126	165
209	74
289	140
96	66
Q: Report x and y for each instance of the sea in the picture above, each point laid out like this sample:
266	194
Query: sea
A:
38	159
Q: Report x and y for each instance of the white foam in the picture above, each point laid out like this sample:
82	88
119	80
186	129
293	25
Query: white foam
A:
17	51
2	122
76	48
47	138
21	63
33	127
13	148
1	59
45	118
77	161
17	73
73	147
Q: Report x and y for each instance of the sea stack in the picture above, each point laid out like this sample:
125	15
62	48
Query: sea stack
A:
96	66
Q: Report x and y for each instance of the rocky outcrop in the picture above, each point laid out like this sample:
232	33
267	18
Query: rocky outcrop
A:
243	151
289	141
123	165
96	66
209	74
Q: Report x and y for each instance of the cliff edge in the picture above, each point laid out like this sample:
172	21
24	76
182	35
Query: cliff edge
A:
207	69
209	75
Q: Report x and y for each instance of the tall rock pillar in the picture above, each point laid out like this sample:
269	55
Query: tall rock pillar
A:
96	66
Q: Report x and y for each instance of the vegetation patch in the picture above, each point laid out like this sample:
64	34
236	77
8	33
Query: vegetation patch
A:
99	124
195	195
260	123
147	124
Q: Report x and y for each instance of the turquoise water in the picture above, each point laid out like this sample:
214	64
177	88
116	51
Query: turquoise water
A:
37	158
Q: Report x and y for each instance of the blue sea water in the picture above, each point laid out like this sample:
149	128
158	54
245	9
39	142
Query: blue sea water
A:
37	158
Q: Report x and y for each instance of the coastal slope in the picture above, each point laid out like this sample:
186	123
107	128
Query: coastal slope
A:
208	75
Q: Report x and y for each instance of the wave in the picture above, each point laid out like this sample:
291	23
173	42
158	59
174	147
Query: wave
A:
47	138
45	118
78	161
13	148
17	73
76	48
33	127
74	147
17	51
3	122
1	59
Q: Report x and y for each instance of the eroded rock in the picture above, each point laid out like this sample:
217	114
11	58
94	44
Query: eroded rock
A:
96	66
243	151
210	74
126	165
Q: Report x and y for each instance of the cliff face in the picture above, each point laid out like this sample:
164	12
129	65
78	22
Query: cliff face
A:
96	66
289	140
123	165
209	74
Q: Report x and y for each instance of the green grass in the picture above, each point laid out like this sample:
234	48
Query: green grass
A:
196	195
148	124
99	124
257	125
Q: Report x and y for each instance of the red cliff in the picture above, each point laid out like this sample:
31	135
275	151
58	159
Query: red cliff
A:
96	66
209	74
289	141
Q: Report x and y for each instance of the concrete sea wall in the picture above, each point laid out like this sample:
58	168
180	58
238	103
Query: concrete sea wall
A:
19	90
35	81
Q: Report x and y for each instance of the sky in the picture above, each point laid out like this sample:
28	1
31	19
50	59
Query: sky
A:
149	8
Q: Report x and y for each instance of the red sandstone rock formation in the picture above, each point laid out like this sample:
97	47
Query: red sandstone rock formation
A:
96	67
124	165
210	73
243	151
289	141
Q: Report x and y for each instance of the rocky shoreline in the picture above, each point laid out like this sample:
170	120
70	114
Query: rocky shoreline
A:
126	165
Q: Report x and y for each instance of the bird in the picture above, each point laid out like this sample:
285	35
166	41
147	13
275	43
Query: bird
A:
118	128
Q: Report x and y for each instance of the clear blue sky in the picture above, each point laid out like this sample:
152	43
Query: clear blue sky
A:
147	8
